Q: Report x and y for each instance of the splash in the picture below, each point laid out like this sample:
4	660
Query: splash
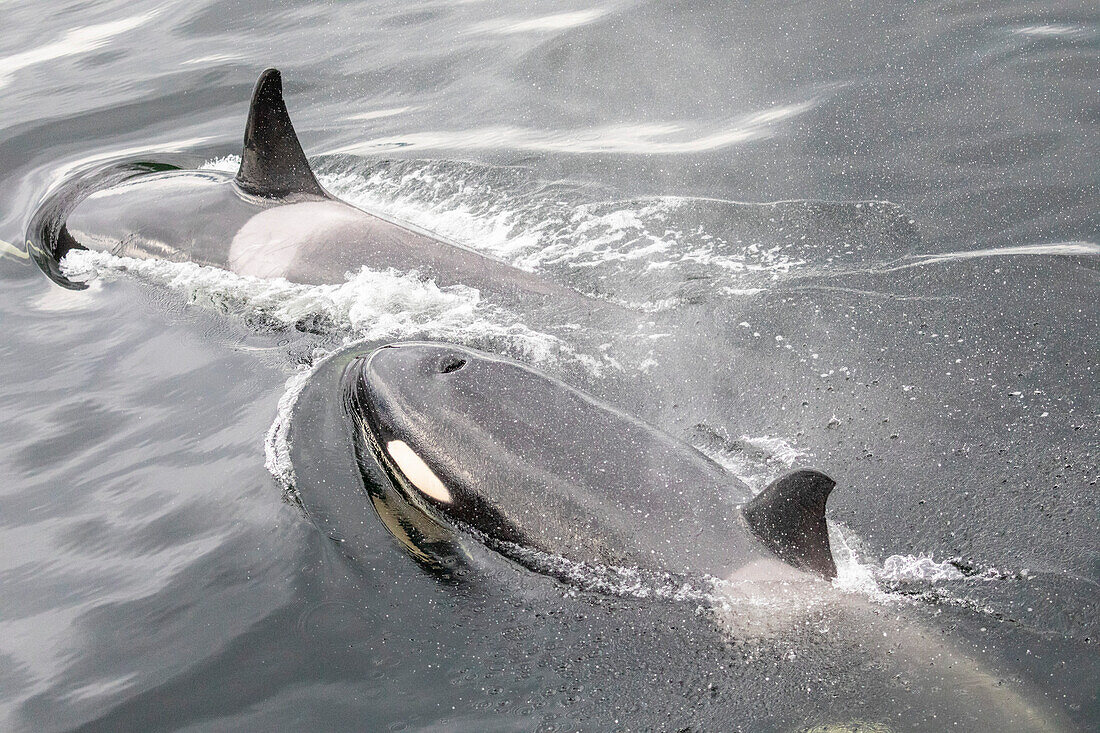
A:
757	461
277	441
854	572
775	449
651	253
919	569
369	304
642	245
224	164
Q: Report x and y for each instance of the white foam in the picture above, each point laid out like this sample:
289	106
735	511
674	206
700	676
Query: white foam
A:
225	164
775	449
853	573
754	460
633	238
369	304
753	473
632	248
857	573
918	568
639	246
276	442
475	218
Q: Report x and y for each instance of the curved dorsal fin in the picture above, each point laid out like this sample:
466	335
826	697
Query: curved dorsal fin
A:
272	162
789	517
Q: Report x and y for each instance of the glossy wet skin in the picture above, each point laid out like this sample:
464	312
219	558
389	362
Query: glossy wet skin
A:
143	217
205	217
527	459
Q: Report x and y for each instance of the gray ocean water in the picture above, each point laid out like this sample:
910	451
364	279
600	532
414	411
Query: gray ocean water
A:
886	214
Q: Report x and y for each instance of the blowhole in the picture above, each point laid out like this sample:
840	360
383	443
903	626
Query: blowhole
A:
451	364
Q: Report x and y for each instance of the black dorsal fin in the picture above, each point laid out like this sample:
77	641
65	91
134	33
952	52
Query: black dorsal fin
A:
789	517
273	163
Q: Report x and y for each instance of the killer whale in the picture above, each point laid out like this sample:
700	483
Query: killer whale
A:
767	599
270	219
529	462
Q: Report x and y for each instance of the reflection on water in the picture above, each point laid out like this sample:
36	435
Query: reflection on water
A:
1053	248
668	138
544	23
74	42
914	312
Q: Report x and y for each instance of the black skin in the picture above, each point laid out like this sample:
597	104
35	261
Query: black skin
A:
528	460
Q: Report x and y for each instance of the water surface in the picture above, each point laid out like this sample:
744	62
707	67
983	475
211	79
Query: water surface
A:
883	217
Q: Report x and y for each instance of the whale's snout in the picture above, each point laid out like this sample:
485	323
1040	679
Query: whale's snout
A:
405	389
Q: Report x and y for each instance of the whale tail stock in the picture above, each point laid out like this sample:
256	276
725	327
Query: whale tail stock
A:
273	163
789	517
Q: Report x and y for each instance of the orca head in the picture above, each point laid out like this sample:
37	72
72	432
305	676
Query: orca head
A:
428	415
405	403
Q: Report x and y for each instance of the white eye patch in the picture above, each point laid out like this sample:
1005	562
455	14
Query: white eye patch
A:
417	472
